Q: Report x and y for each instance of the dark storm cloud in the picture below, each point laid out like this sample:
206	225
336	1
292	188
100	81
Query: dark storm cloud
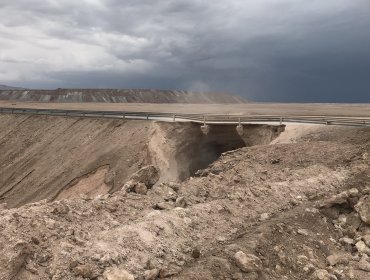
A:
266	50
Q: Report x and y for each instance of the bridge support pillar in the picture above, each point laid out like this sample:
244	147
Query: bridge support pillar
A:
205	129
240	129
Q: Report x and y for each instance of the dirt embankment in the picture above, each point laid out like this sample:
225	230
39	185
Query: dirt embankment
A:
117	96
287	211
43	157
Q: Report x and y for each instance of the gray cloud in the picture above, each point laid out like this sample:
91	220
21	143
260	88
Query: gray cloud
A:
266	50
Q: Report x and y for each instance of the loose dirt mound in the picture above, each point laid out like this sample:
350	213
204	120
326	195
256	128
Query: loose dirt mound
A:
264	212
117	96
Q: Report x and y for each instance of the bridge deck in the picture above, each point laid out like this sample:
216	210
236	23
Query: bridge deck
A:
356	114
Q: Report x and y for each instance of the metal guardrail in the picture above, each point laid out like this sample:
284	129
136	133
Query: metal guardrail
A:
230	119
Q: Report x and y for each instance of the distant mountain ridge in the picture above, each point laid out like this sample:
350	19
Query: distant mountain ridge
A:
116	96
5	87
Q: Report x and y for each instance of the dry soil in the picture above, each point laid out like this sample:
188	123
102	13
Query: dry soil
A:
295	209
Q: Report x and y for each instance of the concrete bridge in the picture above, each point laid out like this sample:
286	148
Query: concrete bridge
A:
205	120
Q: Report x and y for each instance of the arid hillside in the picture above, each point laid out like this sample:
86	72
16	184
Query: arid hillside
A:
117	96
5	87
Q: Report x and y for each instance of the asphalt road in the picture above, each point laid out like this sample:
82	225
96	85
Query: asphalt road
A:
330	114
286	109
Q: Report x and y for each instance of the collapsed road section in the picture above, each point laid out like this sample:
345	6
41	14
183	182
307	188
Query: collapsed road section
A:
46	157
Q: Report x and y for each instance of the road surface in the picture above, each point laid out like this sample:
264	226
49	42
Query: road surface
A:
330	114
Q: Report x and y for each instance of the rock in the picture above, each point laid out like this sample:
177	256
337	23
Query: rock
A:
321	274
310	268
117	274
339	199
85	271
163	206
351	274
148	175
174	186
364	265
353	221
129	186
362	248
247	263
140	188
302	259
366	239
331	212
195	253
347	241
303	232
221	239
151	274
60	208
264	216
337	259
180	202
339	274
363	208
170	270
31	267
22	251
35	240
332	260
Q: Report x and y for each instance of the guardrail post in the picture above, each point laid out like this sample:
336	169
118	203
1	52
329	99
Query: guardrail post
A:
174	118
281	121
240	128
147	116
123	115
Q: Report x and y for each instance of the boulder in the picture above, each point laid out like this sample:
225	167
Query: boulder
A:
364	264
337	259
362	248
363	208
247	263
339	199
148	175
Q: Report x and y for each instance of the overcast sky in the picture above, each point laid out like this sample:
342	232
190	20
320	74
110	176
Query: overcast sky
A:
264	50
